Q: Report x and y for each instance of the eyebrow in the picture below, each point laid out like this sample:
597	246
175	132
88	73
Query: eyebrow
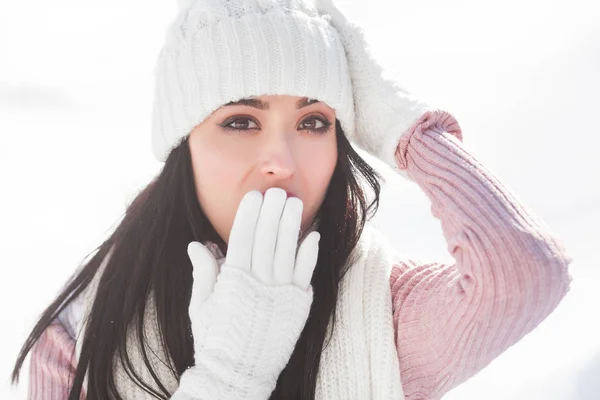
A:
263	105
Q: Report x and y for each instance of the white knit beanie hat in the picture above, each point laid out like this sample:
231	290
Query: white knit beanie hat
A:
218	51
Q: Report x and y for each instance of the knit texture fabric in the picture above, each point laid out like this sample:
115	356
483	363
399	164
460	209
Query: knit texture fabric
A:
220	51
237	323
384	109
359	362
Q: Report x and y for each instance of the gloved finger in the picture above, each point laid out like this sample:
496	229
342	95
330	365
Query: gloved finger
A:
204	275
241	238
287	241
306	260
267	226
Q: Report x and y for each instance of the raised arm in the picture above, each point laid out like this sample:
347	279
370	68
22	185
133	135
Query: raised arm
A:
510	271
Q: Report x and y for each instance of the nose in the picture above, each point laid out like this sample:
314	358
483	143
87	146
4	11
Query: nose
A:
277	158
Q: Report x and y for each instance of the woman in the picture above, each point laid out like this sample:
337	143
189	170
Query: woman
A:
247	268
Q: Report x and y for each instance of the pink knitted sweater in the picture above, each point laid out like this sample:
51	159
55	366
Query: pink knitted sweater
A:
451	320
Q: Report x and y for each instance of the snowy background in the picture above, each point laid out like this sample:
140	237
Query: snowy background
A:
522	78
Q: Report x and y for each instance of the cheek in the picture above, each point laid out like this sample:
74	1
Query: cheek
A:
210	169
320	166
216	173
318	169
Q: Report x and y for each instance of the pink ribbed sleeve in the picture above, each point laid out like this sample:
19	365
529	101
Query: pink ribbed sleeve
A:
510	271
52	367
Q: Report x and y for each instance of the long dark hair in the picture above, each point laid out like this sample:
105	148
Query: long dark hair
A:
150	253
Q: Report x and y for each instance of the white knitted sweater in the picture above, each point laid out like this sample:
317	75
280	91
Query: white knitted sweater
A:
360	361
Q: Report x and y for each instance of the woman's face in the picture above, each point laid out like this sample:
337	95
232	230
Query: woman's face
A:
267	141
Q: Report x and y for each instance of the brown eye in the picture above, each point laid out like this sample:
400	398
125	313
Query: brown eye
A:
314	121
317	125
239	124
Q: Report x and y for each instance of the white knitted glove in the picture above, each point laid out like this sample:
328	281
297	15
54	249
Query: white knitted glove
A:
246	329
383	109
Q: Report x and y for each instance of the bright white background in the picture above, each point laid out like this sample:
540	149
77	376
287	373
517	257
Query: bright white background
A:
522	78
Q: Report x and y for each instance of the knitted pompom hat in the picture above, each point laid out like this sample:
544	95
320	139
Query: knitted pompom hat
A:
218	51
